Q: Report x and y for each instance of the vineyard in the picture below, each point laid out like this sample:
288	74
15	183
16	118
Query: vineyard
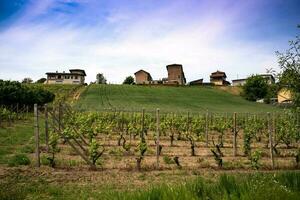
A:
153	140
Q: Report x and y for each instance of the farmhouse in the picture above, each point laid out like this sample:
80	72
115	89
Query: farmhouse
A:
284	96
176	75
268	77
219	78
142	77
75	76
239	82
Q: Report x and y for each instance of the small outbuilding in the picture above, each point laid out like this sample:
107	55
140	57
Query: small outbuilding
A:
196	82
142	77
219	78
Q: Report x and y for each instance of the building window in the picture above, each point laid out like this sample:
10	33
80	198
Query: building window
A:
178	76
76	77
59	76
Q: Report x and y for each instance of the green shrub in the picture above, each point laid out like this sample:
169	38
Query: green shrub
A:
168	160
19	159
254	158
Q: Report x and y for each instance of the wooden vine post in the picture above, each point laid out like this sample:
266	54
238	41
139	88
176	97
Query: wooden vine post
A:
157	138
270	140
59	116
206	128
143	123
234	135
46	128
37	137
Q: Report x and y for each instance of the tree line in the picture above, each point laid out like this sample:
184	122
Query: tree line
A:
14	92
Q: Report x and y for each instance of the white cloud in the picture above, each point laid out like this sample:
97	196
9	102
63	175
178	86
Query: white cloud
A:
123	45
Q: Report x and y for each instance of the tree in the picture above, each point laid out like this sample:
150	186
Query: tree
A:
100	79
41	80
256	87
129	80
27	80
289	63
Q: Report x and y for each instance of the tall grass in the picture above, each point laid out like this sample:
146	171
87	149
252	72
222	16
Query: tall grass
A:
283	185
254	186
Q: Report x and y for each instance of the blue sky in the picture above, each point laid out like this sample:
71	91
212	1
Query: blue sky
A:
119	37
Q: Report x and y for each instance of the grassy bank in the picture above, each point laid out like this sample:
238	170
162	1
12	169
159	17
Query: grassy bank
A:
168	99
281	185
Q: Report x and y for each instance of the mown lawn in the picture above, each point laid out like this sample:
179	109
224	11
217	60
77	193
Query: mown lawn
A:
168	99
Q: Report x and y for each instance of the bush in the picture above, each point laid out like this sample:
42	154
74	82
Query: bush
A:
13	92
168	160
19	159
256	87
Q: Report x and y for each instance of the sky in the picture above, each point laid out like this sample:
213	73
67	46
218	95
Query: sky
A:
120	37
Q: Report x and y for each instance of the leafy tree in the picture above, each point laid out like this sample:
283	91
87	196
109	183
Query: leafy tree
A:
289	62
27	80
256	87
41	80
100	79
129	80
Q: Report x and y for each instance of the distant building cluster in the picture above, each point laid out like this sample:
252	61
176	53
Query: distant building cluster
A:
175	76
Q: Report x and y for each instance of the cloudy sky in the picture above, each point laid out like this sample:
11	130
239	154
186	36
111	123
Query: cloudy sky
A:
119	37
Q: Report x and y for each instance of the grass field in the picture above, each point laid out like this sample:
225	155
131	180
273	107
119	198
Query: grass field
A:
168	99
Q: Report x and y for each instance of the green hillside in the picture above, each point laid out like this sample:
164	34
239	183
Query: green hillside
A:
168	99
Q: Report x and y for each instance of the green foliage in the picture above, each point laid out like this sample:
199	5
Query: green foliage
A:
286	128
254	158
252	128
41	80
256	87
100	79
13	92
19	159
290	65
94	152
168	160
129	80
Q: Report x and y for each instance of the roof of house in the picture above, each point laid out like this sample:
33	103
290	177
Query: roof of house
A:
80	70
218	74
175	65
241	79
63	73
268	75
72	72
141	70
198	80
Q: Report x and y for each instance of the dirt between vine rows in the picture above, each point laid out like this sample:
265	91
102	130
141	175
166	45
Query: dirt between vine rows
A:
117	168
115	157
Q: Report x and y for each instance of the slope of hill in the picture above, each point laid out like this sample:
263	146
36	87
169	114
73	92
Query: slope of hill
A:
63	92
168	99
